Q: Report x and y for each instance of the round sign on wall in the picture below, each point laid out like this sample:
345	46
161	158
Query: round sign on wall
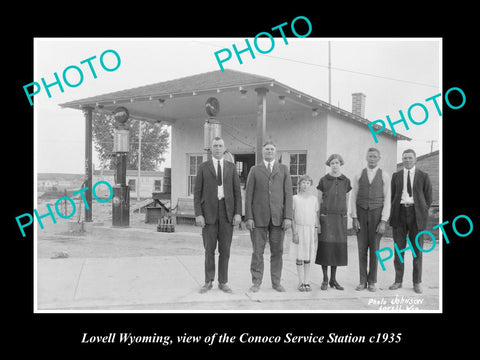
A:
212	106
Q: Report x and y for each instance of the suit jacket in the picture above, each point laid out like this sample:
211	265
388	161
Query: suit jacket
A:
268	196
422	197
205	195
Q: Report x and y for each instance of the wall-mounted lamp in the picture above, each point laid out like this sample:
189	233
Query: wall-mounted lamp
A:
314	112
243	94
161	102
281	100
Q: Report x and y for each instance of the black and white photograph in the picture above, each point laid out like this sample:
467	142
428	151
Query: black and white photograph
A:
239	182
311	139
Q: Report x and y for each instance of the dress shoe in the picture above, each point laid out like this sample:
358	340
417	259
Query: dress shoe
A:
207	286
324	285
255	287
361	286
336	285
279	288
372	287
225	288
417	288
395	286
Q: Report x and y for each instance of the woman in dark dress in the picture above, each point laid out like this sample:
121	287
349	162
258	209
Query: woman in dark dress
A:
332	239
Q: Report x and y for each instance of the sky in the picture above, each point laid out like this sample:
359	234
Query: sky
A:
392	73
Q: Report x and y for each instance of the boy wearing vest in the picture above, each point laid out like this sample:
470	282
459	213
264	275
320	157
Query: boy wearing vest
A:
370	210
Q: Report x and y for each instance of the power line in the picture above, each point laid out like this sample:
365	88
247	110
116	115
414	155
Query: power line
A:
356	72
339	69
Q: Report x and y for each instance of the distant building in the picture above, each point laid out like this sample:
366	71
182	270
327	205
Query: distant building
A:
150	181
59	182
47	185
430	164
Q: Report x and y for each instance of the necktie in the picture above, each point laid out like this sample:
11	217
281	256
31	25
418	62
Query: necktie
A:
409	184
269	167
219	174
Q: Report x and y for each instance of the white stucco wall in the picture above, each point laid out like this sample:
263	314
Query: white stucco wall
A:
318	136
291	131
301	132
186	137
352	140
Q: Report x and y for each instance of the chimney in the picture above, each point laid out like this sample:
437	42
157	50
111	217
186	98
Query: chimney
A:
358	104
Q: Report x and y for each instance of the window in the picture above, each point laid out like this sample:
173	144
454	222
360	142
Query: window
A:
157	185
298	167
239	166
131	184
194	163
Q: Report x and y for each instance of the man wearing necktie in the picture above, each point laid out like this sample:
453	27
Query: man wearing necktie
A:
268	214
218	205
411	199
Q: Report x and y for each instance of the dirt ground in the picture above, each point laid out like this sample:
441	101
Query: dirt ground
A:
140	239
55	241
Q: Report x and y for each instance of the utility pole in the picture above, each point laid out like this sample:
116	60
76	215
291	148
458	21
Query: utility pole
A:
139	162
431	144
88	113
329	75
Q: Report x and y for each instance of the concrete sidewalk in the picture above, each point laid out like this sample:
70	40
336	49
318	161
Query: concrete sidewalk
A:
165	283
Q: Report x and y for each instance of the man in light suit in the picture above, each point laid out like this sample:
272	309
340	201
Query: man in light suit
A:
268	214
218	207
411	199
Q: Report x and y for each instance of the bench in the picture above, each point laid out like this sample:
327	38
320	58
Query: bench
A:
185	212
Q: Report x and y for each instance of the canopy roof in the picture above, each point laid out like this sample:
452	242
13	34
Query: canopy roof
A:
185	98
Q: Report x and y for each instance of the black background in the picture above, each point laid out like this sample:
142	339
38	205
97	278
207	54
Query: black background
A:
59	335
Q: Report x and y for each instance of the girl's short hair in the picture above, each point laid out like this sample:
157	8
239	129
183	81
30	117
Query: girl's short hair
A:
305	178
335	156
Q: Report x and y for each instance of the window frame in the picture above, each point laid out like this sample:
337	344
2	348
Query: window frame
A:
297	164
199	158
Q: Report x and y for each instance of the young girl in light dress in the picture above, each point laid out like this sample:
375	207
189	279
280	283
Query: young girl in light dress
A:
304	231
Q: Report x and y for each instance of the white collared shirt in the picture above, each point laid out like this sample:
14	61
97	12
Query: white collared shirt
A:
407	199
220	187
271	163
371	173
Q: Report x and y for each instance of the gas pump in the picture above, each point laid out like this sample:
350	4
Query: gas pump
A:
212	127
121	190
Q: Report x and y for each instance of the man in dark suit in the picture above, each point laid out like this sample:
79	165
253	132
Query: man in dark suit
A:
268	214
411	199
218	207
